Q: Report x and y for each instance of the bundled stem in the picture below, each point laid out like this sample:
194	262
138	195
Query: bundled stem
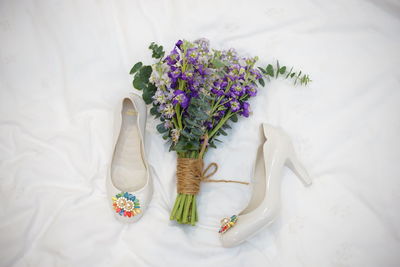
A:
185	211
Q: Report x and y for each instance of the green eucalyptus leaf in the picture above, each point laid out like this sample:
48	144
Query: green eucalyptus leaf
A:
226	126
138	83
147	96
222	132
197	132
136	67
234	118
261	81
161	128
270	70
165	136
282	70
211	144
154	111
180	146
145	73
277	69
262	70
192	145
187	135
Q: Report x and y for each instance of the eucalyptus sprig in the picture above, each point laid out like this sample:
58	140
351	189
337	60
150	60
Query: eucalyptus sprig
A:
143	72
273	72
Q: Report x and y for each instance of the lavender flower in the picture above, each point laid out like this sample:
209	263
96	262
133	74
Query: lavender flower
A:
245	109
181	98
234	105
175	134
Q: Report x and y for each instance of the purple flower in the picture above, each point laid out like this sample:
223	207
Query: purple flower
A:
234	105
179	44
208	124
203	44
173	57
187	76
217	91
251	90
202	71
218	116
181	98
192	55
245	109
256	73
174	74
168	124
237	90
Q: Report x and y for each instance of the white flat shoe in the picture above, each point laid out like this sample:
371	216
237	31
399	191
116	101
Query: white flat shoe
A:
129	187
276	151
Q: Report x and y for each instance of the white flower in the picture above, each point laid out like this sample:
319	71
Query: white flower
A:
175	133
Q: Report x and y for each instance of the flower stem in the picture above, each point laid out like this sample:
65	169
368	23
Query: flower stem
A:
193	212
179	116
186	210
219	125
176	205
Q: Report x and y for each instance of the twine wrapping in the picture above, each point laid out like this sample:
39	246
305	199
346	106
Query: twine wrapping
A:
190	173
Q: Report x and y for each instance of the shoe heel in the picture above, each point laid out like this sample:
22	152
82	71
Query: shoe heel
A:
294	164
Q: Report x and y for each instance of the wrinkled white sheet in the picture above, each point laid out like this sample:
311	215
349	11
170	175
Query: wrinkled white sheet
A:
64	67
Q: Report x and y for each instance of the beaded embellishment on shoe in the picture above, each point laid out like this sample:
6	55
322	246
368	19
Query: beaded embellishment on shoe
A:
227	223
126	204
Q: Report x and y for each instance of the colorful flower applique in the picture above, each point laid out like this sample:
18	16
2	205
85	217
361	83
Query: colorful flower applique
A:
227	223
126	204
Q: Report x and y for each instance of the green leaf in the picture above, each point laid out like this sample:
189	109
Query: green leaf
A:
261	81
158	51
191	122
136	67
165	136
197	132
145	73
138	83
187	135
222	132
262	70
147	96
234	118
154	111
152	88
291	75
218	63
192	145
211	144
277	69
161	128
282	70
180	146
226	126
270	70
290	72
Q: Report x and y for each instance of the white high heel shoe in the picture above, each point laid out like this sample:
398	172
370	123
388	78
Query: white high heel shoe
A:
276	151
129	187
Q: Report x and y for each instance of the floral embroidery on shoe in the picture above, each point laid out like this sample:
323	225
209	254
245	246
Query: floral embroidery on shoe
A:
126	204
227	223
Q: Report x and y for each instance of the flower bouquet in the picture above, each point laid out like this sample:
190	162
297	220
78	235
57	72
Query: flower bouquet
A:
196	93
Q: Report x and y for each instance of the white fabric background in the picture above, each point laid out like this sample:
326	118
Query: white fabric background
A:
64	67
